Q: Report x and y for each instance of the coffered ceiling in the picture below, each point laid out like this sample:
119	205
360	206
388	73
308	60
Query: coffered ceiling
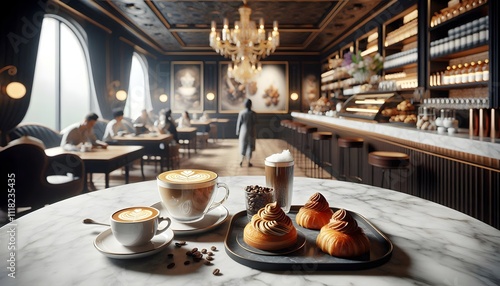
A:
183	26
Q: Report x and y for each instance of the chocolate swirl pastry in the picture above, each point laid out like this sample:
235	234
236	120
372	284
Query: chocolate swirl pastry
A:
315	213
342	237
270	229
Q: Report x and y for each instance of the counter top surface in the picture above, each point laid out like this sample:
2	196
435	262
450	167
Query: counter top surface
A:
486	147
433	244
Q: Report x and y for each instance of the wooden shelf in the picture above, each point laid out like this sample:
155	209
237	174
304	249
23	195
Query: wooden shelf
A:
460	19
463	53
460	85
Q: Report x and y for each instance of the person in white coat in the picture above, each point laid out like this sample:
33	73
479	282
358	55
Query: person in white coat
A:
246	132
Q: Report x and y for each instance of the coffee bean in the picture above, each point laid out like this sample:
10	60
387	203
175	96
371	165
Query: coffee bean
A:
182	242
208	262
187	262
210	258
210	253
213	248
216	272
171	265
204	250
194	250
170	255
189	253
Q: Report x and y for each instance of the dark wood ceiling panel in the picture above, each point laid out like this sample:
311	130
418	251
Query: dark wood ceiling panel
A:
308	26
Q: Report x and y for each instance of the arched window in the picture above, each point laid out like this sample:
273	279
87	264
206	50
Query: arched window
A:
139	95
63	91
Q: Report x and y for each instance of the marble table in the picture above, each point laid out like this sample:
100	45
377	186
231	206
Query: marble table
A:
433	245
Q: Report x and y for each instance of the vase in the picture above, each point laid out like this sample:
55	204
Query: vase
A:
361	77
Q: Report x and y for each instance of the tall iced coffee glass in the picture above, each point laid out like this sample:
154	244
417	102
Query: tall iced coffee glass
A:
279	176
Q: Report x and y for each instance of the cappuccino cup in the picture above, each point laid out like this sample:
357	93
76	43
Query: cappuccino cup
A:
134	226
188	195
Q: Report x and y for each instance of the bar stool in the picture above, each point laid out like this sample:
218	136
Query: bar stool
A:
321	140
305	134
294	126
285	123
388	161
347	144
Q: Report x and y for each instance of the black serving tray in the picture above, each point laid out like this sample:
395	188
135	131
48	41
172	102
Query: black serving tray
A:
309	257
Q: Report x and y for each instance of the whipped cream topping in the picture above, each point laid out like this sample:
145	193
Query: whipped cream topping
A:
317	202
344	222
272	220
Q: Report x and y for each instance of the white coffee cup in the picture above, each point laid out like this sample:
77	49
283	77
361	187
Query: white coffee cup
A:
189	194
135	226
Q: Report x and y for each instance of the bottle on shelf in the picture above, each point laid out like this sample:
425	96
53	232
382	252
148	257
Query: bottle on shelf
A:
446	79
464	72
478	72
453	74
471	77
458	74
486	70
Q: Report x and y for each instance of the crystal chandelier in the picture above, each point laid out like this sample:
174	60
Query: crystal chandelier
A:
245	45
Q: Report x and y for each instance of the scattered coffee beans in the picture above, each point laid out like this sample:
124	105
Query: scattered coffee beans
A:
204	250
187	262
171	265
170	255
213	248
216	271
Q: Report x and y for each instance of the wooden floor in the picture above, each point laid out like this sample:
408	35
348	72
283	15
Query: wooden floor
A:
222	157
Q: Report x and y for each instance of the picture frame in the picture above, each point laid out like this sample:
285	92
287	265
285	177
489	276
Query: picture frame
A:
268	91
187	87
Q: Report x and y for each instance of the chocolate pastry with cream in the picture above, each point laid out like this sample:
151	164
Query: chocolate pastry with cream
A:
342	237
315	213
270	229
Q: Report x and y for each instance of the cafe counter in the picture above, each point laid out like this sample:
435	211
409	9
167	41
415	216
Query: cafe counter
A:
428	244
453	170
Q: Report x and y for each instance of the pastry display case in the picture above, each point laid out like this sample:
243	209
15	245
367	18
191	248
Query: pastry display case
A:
379	107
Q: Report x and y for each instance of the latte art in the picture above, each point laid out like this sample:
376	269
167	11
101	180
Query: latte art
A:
188	176
134	214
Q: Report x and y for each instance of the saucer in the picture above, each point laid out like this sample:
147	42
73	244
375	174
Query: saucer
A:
301	241
211	220
107	244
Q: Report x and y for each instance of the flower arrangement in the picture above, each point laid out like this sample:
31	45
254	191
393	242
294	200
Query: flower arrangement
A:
356	64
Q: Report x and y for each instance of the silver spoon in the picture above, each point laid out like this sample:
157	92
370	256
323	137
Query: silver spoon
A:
91	221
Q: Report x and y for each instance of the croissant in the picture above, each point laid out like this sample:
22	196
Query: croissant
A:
270	229
315	213
342	237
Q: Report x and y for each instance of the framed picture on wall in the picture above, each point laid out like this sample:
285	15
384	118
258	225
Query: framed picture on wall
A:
268	91
187	86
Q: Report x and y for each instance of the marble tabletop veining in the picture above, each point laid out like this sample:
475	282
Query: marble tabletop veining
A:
433	244
461	142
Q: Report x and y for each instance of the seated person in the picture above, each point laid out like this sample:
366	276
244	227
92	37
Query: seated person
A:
82	133
166	125
116	125
144	120
205	117
184	120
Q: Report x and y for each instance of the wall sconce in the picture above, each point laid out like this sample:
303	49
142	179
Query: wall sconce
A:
15	90
120	94
210	96
163	97
294	96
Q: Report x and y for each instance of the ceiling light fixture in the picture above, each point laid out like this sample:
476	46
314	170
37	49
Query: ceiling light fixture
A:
245	45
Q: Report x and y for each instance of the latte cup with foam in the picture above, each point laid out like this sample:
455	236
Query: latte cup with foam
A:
188	195
279	176
134	226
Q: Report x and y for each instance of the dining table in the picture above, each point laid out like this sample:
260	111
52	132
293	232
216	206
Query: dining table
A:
155	144
413	242
105	160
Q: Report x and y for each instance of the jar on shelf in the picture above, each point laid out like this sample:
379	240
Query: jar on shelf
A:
426	118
